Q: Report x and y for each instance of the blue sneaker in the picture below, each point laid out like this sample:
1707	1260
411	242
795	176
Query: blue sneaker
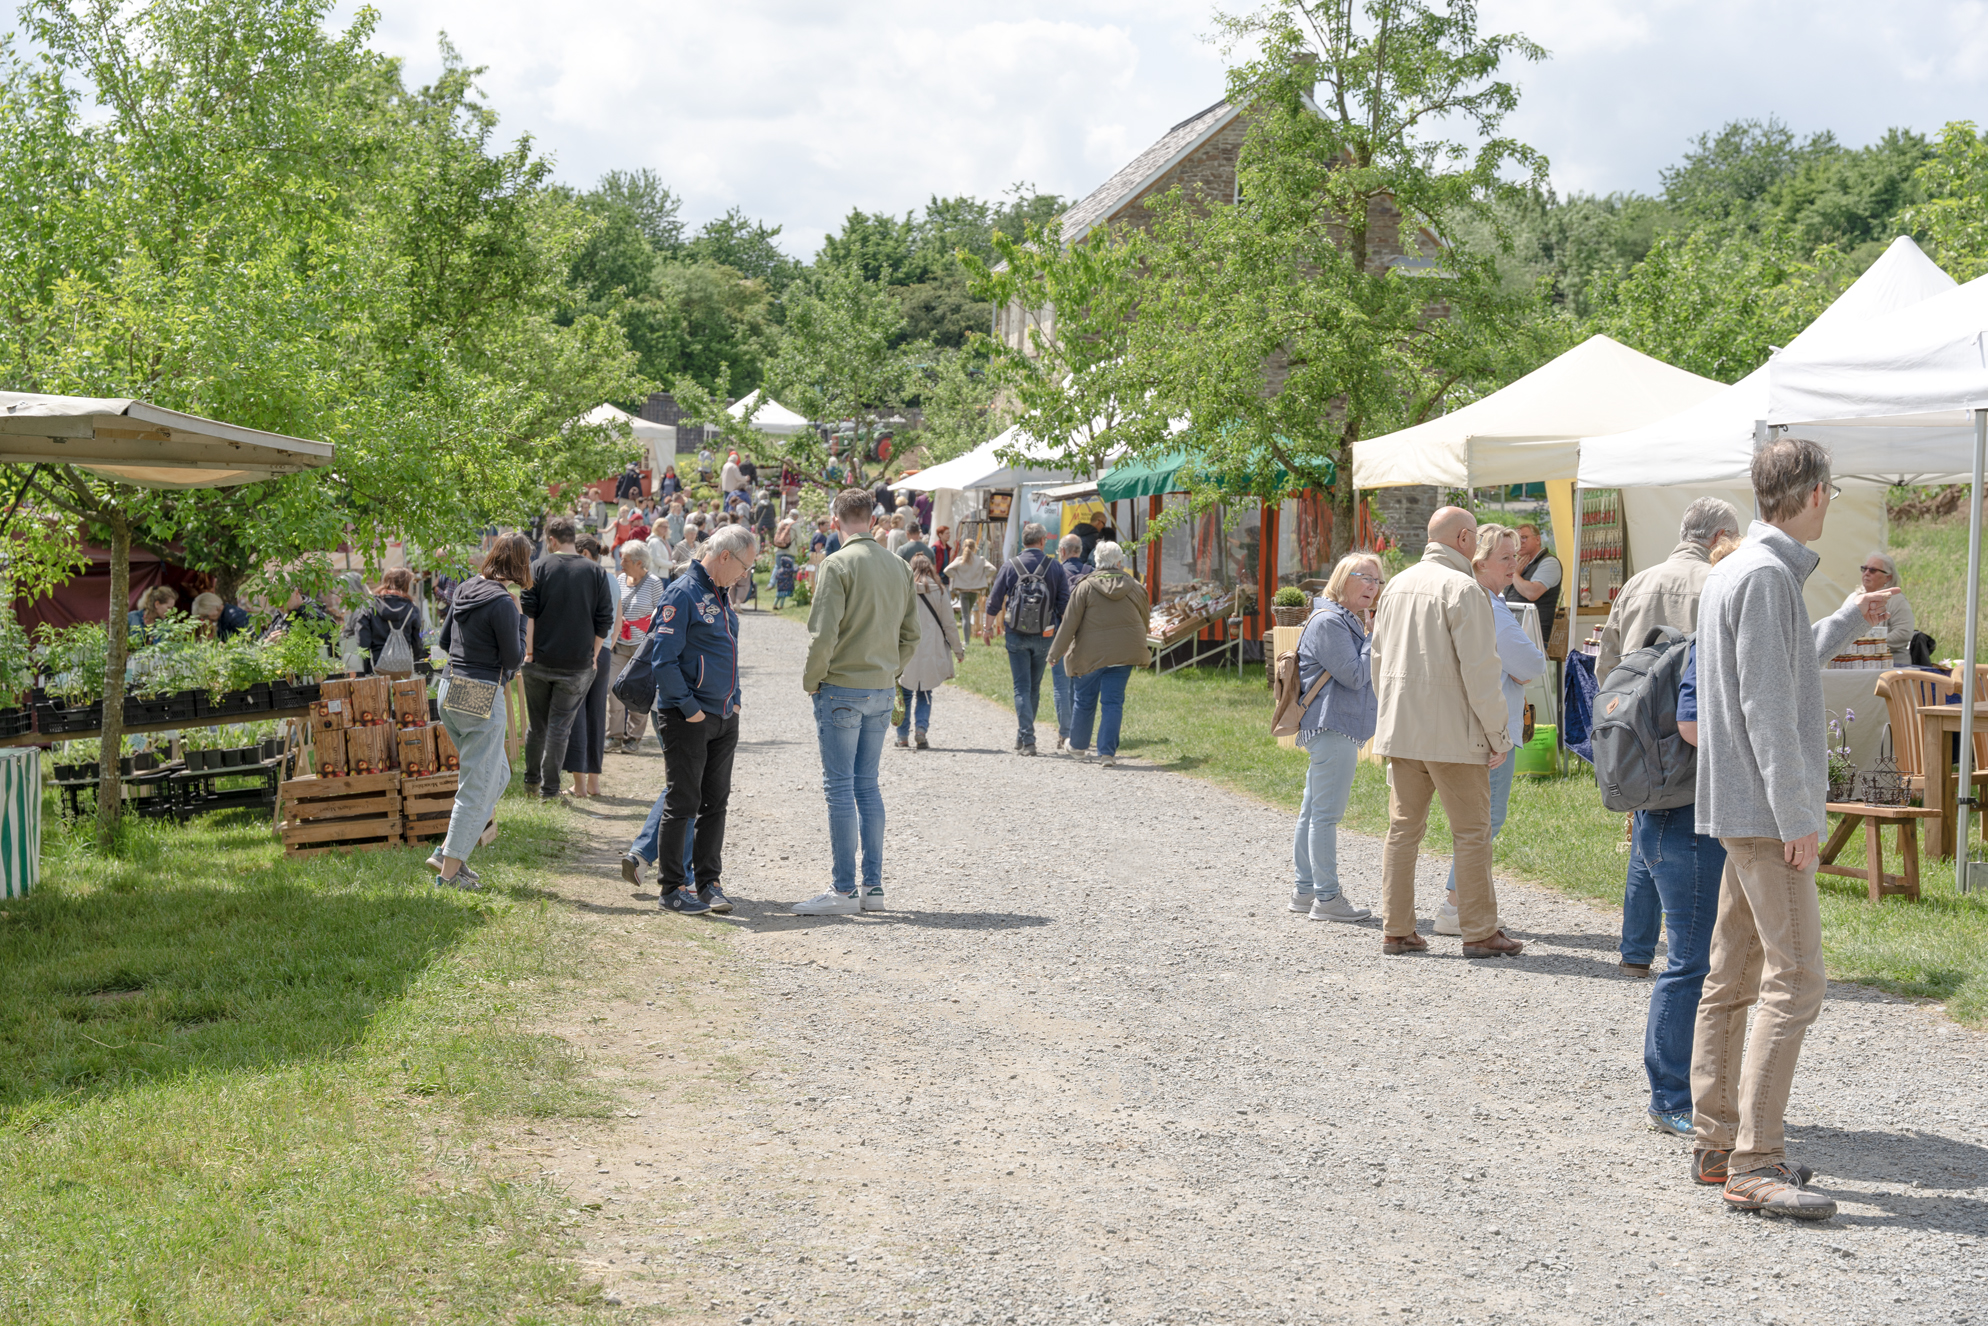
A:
714	896
1675	1122
684	901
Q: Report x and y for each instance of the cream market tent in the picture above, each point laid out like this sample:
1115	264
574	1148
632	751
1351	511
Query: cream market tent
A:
1708	448
1530	431
1903	398
773	417
658	440
982	467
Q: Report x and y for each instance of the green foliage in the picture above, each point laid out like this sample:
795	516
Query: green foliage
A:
746	246
1290	596
1954	213
72	659
956	397
17	666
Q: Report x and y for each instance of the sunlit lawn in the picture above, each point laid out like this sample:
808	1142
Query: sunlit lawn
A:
237	1087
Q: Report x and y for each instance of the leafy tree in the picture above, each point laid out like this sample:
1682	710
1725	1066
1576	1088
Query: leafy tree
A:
880	247
956	402
746	246
944	312
1731	174
1319	309
1954	214
641	193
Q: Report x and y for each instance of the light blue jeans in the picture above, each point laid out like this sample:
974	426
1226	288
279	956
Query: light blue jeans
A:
1100	697
484	774
1328	787
917	712
850	724
1501	801
1061	683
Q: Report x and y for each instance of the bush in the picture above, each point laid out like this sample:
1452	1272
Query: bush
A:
1290	596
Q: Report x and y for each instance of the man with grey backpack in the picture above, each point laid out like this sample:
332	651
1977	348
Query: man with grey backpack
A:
1029	595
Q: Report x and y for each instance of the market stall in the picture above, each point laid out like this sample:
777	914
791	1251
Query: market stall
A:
658	441
984	497
771	417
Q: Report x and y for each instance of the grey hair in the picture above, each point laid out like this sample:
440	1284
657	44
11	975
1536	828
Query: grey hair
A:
737	540
1884	558
634	548
1109	556
1070	543
1033	535
1706	519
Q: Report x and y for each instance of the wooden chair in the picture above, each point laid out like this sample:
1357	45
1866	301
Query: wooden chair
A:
1903	691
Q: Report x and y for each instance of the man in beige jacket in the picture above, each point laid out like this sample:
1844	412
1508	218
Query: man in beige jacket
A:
1442	727
1662	595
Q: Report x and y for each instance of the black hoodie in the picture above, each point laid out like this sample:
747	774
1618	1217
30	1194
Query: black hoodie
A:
484	632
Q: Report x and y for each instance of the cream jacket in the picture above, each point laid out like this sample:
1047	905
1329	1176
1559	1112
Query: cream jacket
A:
1665	595
1435	665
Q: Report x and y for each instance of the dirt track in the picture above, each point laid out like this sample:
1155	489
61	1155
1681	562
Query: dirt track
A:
1092	1070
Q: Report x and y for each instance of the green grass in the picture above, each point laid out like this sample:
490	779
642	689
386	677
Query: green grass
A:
1209	724
1932	557
236	1086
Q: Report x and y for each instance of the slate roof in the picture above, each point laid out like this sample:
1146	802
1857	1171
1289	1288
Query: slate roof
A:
1142	170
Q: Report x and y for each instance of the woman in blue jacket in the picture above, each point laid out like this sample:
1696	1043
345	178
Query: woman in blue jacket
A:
1335	725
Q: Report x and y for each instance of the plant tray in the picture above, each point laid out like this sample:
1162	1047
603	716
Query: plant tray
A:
15	722
51	718
256	699
164	709
282	695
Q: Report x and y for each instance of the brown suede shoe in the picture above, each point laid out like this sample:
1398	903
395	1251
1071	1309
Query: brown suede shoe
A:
1499	945
1395	946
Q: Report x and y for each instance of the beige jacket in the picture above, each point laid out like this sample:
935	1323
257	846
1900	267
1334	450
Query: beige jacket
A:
1664	595
1435	665
1105	625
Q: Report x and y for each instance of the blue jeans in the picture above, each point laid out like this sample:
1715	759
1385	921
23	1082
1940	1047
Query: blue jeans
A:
1685	870
917	711
485	773
1328	787
850	725
1642	909
1100	694
1028	659
1066	701
1501	801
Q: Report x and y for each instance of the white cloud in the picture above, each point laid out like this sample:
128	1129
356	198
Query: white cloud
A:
799	111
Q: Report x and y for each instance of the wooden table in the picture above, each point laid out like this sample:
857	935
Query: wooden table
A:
1874	818
1935	722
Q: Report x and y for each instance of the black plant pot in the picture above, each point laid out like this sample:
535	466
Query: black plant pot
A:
124	766
66	773
144	762
230	758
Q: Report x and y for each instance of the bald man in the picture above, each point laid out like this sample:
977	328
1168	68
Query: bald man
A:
1442	728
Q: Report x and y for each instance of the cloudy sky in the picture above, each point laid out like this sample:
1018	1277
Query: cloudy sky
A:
798	110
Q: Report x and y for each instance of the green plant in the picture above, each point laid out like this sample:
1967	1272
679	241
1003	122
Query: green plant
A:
17	668
1290	596
72	657
804	591
301	651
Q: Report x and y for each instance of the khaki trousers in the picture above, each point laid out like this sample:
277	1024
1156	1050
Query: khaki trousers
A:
1466	793
1766	947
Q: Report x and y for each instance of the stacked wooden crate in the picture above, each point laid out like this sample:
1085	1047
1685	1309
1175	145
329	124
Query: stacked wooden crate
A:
352	813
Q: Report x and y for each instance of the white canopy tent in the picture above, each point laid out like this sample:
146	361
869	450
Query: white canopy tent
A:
1707	449
773	417
658	440
1904	398
982	468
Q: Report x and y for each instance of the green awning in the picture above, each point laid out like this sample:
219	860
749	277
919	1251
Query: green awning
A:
1162	475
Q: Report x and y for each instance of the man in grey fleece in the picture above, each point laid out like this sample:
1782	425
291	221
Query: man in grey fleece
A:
1763	778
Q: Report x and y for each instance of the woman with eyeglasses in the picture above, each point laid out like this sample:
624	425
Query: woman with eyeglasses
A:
1880	572
1338	721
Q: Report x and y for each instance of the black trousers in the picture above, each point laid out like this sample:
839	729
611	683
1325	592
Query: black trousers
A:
697	758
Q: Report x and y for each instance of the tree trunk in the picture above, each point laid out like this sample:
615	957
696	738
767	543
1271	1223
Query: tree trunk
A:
228	583
1345	524
109	787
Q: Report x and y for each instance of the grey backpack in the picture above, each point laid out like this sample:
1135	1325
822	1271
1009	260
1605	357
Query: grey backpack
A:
1641	762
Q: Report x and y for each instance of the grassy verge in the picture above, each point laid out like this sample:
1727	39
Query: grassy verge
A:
1932	557
236	1086
1214	726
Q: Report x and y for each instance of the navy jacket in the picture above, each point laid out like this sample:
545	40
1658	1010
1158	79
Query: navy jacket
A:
1028	560
695	649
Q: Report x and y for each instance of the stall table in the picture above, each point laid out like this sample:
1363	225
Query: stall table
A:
1936	721
194	793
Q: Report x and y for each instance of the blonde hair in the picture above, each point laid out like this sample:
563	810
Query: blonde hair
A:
1488	539
1335	585
1723	547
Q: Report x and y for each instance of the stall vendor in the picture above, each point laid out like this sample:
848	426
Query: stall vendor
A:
1538	580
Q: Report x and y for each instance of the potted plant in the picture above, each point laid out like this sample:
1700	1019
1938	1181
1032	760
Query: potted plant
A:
1842	773
1289	606
295	661
71	659
17	677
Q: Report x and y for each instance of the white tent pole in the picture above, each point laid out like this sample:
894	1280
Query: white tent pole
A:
1966	797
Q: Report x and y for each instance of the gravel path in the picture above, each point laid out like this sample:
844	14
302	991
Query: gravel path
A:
1091	1070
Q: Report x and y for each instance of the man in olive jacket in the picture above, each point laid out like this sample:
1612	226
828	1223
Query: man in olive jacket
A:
862	630
1441	725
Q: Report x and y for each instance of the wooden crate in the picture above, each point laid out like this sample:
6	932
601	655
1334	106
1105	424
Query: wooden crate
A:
339	814
426	804
410	703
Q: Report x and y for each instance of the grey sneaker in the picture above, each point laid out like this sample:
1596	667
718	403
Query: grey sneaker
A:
631	868
1336	908
466	879
1301	900
1777	1191
1107	761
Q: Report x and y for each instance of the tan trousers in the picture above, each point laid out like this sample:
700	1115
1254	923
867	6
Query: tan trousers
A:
1466	793
1766	947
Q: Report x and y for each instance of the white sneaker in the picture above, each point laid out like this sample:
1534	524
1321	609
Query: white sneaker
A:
830	903
1337	909
1107	761
1446	922
871	899
1301	901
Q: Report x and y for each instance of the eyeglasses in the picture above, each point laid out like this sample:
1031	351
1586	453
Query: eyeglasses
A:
1362	575
1835	490
1875	570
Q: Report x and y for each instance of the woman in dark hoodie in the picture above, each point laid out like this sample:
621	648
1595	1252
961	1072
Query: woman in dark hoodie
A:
393	611
484	635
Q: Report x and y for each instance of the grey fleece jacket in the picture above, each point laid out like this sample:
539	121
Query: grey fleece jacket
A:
1763	763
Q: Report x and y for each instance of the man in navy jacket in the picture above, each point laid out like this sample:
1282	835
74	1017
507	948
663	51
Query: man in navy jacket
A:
695	654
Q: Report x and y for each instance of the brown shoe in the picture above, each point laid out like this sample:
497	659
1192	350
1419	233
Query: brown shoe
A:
1499	945
1640	970
1396	945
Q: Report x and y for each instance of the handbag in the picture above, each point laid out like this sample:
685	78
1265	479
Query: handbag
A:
469	697
635	686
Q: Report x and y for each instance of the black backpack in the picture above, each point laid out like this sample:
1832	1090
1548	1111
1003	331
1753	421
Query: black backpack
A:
635	687
1029	606
1641	762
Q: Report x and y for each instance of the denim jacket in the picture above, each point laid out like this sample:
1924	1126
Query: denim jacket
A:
1335	641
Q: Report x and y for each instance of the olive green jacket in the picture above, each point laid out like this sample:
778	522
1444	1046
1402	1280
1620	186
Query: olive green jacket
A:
863	622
